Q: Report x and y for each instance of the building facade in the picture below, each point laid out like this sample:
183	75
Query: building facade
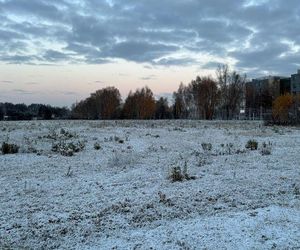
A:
261	92
295	83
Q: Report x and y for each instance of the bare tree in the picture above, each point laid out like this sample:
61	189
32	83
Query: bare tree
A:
205	94
231	85
180	109
197	100
162	109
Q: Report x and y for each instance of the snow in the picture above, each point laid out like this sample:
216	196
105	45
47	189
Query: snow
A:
108	198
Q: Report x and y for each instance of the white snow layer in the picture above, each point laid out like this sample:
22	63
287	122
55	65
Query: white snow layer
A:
121	196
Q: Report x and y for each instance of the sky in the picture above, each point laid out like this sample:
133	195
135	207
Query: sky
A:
59	51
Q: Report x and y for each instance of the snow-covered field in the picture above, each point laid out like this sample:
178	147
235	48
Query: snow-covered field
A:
121	197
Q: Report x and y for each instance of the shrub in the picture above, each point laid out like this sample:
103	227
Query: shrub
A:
62	135
206	146
252	145
9	148
280	109
115	138
179	175
296	190
228	148
68	149
29	147
266	149
163	199
121	159
97	146
176	174
66	134
69	172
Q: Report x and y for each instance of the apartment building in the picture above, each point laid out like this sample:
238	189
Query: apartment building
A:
295	83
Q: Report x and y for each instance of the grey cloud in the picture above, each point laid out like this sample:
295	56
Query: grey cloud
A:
6	35
147	78
151	32
7	81
37	8
68	93
31	30
139	51
54	56
18	59
218	31
211	65
265	54
91	54
96	82
90	31
81	49
23	92
96	60
176	61
166	36
31	83
268	58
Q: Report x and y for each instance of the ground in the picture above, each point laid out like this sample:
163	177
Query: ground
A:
107	185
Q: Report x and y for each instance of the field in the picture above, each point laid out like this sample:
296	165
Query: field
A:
112	185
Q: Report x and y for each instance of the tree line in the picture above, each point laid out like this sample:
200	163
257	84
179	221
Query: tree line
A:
203	98
219	97
12	111
107	104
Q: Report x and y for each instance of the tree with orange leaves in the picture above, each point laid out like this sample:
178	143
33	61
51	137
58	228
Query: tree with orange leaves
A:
281	107
139	105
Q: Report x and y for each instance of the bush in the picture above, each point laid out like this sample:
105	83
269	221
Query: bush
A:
176	174
97	146
296	190
68	149
66	134
266	149
121	159
62	135
280	109
179	175
9	148
206	146
163	199
252	145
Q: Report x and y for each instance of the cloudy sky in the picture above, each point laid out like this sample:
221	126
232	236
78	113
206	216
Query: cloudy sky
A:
59	51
